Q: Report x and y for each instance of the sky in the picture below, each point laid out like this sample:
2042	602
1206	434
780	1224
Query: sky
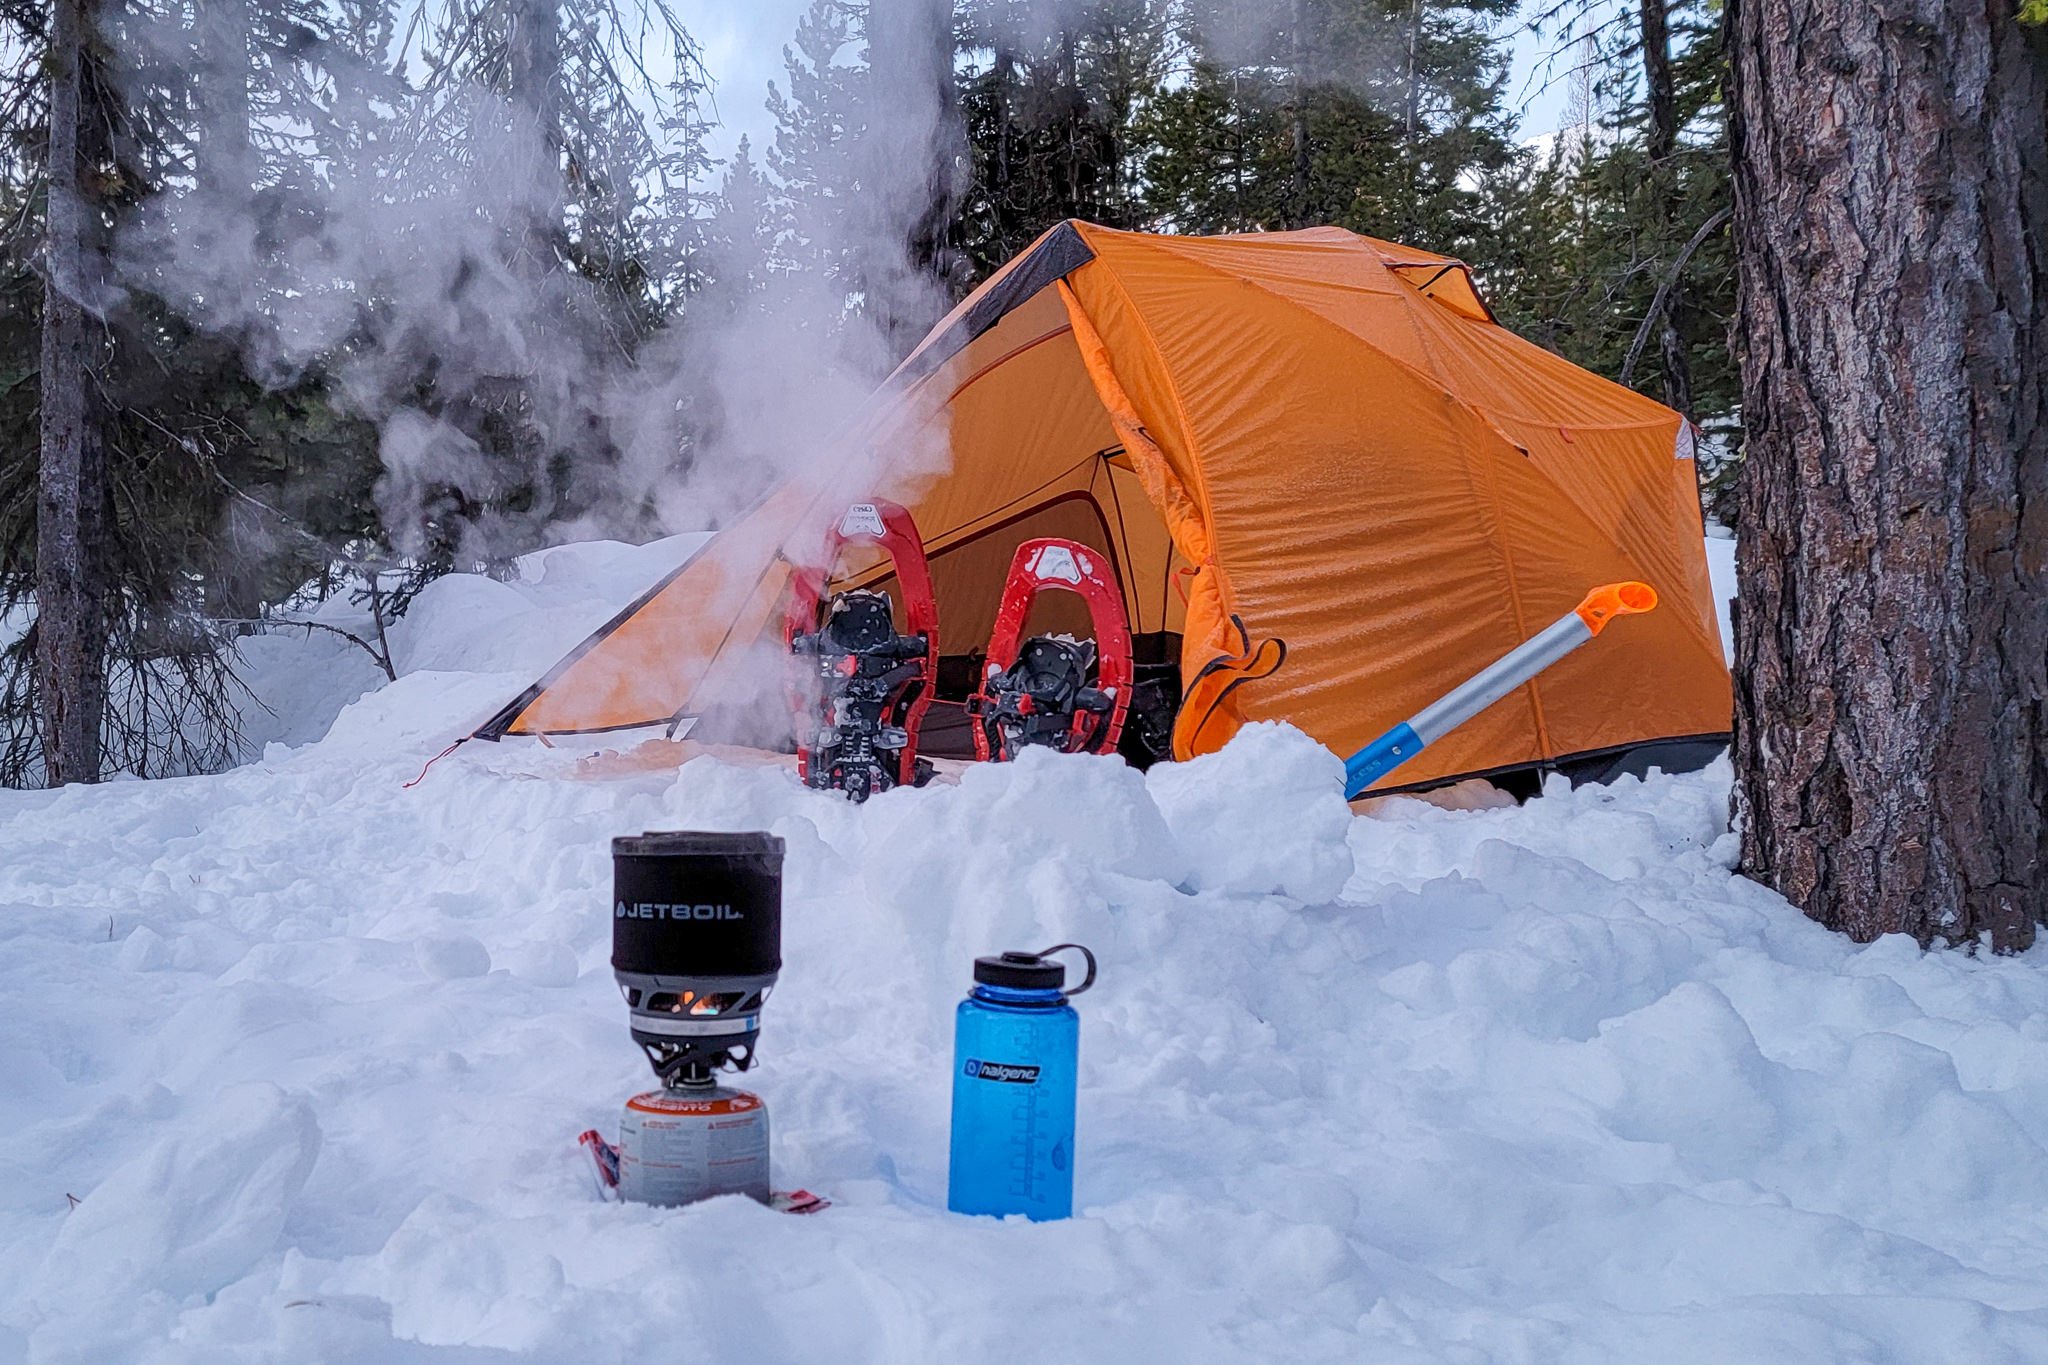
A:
743	42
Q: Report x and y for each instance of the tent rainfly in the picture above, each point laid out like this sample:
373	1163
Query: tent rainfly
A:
1331	484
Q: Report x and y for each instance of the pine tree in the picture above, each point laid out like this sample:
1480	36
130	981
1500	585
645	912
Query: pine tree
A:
744	235
162	407
1051	113
1214	161
241	400
687	199
1616	252
1374	115
817	120
530	140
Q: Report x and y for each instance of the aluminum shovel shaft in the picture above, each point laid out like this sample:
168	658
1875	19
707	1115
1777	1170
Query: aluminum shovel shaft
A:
1494	681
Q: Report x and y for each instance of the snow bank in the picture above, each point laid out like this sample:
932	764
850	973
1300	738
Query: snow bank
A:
1544	1083
494	638
1487	1084
191	1213
499	635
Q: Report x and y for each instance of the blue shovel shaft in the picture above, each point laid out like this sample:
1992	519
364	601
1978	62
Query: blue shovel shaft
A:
1380	757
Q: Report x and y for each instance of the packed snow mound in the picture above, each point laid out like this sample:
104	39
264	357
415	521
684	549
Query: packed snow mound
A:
1548	1083
521	625
231	1172
482	639
1281	796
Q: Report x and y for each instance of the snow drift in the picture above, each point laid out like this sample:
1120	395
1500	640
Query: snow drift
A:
1543	1084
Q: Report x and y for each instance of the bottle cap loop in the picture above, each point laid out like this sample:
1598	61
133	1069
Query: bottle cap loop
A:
1086	981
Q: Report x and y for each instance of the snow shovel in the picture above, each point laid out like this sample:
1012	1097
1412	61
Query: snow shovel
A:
1493	682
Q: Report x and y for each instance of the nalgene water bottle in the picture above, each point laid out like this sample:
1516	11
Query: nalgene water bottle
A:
1015	1047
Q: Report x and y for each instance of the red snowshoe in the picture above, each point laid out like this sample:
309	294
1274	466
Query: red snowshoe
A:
863	688
1054	690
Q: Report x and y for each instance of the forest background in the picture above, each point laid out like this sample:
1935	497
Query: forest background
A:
369	291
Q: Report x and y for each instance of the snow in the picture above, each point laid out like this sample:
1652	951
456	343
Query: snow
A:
1721	572
1445	1081
297	680
300	680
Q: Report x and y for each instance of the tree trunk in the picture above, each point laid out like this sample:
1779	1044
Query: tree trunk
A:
1659	91
71	628
1074	106
1891	727
999	187
1237	153
912	159
1660	94
1297	114
533	85
1411	123
1411	98
225	164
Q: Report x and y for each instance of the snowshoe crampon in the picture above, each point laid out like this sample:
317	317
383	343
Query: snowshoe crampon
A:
1053	690
862	688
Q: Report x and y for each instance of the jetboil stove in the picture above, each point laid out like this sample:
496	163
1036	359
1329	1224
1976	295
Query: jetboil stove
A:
696	947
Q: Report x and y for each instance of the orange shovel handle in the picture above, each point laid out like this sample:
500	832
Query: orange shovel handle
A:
1610	600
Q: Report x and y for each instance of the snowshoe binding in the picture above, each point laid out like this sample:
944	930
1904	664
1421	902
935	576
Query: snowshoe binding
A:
862	688
1054	690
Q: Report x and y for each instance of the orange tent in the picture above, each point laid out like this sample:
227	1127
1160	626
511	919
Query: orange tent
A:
1331	484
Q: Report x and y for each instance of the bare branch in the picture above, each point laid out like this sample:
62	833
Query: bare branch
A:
1663	296
382	657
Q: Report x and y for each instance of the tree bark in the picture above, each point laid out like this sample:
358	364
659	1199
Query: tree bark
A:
1891	727
912	150
1297	114
533	85
1660	94
71	627
1411	120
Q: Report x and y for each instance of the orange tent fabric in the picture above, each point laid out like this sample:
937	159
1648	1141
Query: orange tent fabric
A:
1313	457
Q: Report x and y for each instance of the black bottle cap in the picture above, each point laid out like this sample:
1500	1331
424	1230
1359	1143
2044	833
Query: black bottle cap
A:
1020	972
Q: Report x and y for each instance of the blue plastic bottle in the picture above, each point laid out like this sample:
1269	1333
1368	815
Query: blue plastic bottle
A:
1016	1044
